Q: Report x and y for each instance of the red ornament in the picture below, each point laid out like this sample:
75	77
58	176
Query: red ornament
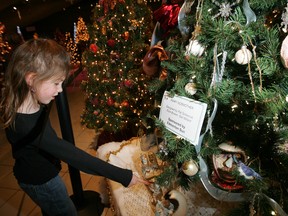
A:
93	48
125	103
95	101
111	43
128	83
96	112
110	101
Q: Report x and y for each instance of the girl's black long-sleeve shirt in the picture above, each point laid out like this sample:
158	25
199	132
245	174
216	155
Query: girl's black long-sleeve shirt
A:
35	154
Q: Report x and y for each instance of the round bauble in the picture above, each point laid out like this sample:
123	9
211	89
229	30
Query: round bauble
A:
190	88
243	56
93	48
190	168
128	83
111	43
125	103
284	52
194	48
110	101
95	101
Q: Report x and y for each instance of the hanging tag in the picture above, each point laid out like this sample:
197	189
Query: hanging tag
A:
183	116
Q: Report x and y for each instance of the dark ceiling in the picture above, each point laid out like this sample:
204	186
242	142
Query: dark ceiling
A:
43	15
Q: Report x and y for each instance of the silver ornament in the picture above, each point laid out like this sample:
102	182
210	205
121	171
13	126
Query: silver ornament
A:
190	88
194	48
243	56
284	52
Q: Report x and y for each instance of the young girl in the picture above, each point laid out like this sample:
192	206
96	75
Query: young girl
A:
34	77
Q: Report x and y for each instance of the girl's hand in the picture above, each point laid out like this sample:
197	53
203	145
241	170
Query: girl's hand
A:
135	180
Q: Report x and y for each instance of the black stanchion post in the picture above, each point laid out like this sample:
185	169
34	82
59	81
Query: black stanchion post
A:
87	202
67	134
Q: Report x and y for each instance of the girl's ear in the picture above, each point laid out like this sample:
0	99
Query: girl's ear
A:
29	78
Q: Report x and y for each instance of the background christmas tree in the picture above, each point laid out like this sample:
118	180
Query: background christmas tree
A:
5	48
117	94
232	62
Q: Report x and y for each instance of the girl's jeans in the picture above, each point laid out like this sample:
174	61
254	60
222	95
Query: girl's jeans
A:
52	197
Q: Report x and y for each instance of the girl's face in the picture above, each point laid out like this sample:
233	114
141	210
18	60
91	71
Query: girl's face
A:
47	90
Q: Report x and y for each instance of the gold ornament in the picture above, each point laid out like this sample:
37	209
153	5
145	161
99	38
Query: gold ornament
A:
243	56
103	30
125	35
110	23
190	168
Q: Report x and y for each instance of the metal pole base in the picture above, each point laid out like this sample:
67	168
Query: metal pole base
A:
91	205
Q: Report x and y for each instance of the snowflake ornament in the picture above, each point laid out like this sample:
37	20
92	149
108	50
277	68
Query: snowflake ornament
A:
284	18
225	8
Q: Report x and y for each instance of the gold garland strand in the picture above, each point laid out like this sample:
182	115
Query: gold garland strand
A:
121	147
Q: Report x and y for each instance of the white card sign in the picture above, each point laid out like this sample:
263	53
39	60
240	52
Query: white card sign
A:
183	116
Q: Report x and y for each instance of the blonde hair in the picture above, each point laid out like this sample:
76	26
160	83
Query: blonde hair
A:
45	57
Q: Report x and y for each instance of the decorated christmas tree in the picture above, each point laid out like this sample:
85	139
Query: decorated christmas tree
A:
116	88
5	48
81	31
232	69
72	48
